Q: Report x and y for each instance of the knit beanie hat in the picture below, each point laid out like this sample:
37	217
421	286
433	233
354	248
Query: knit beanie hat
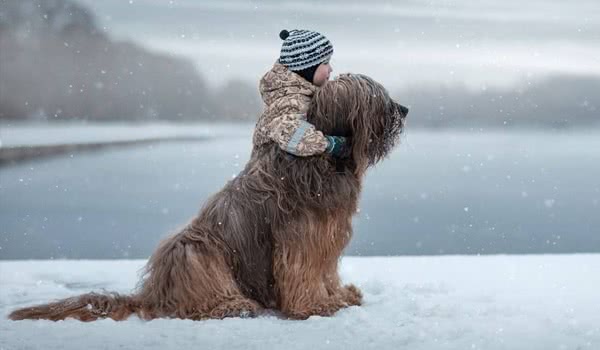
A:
303	51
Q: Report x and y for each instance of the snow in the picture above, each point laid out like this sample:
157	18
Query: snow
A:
24	134
450	302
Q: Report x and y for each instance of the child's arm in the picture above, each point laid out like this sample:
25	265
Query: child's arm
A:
295	135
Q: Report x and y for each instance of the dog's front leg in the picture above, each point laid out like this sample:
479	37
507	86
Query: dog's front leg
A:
300	284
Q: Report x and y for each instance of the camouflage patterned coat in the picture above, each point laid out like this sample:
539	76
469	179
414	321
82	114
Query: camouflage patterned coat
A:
286	96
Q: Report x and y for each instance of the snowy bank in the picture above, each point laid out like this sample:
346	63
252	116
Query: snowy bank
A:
31	134
20	142
449	302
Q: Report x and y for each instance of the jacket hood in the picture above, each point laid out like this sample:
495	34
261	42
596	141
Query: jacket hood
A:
280	81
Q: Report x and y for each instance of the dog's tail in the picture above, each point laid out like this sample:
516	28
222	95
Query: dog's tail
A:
86	307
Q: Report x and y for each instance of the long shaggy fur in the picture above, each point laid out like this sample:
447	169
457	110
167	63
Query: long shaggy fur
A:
272	237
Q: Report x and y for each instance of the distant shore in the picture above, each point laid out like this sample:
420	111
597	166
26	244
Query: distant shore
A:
12	155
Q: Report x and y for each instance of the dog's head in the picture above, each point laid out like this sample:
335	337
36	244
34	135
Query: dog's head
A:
358	107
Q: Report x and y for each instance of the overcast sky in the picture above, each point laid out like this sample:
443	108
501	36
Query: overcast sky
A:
400	43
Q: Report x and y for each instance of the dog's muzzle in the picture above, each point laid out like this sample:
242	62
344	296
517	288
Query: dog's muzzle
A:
403	110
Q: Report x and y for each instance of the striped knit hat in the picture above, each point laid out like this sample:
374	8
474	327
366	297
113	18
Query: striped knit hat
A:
302	49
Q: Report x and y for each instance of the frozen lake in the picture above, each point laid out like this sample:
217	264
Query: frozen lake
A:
447	192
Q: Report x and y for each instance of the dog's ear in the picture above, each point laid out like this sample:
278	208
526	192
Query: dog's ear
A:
367	118
328	110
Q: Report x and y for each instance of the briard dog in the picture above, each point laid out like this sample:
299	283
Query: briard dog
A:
273	236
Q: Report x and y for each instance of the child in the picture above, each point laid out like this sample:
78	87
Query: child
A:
287	90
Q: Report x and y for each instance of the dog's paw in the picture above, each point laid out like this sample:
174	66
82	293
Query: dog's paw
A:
324	309
235	308
353	295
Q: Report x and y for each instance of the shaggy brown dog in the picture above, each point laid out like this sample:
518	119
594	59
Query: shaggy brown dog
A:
272	237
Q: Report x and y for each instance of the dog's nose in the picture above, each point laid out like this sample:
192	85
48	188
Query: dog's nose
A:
403	110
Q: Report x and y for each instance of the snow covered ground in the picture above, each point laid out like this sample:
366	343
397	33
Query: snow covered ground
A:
19	134
451	302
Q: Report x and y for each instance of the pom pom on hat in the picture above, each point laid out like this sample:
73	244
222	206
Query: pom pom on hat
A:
284	34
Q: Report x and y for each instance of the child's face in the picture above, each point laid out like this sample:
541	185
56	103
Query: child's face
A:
322	74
